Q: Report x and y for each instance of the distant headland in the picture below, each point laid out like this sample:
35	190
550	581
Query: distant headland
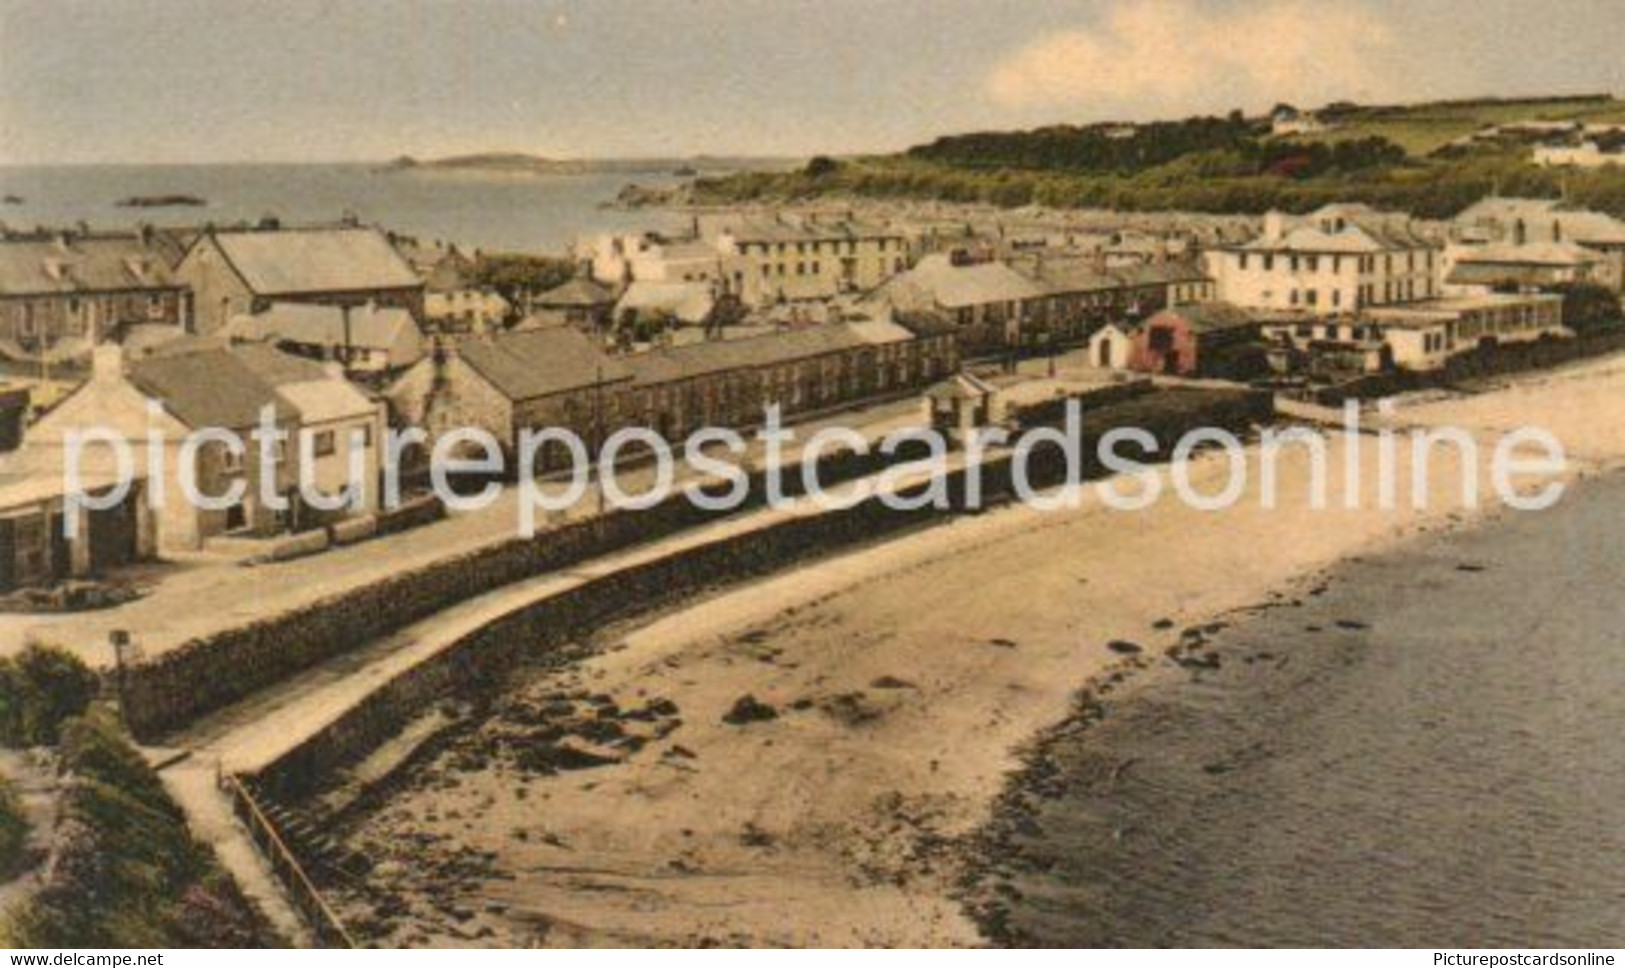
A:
521	163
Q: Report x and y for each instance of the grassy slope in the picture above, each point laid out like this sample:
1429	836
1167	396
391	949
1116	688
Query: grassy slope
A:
13	829
1423	128
126	872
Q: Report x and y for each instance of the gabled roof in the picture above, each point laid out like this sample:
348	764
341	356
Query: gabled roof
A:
318	395
1160	273
524	365
664	365
1211	317
1340	229
961	386
954	286
1578	225
36	265
691	302
577	293
275	262
380	328
209	387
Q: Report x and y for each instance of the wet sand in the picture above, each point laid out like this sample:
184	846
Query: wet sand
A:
1422	751
896	688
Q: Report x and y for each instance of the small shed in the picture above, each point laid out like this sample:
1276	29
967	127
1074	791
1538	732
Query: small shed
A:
959	404
1110	347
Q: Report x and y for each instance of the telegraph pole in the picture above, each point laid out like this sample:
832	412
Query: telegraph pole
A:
598	432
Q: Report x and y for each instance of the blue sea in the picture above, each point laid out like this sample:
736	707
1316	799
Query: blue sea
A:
485	211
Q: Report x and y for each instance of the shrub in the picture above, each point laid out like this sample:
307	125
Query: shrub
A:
126	871
13	829
41	687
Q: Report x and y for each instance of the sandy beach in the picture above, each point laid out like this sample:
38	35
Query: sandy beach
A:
633	798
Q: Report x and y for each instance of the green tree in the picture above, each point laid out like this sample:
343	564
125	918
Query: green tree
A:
821	166
39	688
1589	308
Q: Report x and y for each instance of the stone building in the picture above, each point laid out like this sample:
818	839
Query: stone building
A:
994	308
554	376
244	271
205	386
60	293
557	376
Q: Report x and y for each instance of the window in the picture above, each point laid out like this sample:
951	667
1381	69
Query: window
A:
1313	296
1314	263
1269	263
231	459
1294	297
1337	297
1244	260
324	443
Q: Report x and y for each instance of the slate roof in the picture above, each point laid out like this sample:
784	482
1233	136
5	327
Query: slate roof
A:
35	265
1064	276
1212	317
690	302
316	394
758	229
697	359
958	286
1342	228
1578	225
579	292
1535	253
209	387
961	386
379	328
525	365
316	260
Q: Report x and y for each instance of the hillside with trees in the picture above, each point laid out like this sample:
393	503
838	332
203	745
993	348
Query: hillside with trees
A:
1416	158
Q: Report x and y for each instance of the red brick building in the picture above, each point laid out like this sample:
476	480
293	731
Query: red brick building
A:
1201	339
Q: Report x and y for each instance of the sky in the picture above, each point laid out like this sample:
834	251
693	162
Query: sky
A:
143	81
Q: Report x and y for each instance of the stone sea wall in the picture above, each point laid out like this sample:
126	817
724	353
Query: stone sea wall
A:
211	672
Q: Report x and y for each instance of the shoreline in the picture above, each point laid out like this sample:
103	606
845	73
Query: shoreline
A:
1211	766
907	686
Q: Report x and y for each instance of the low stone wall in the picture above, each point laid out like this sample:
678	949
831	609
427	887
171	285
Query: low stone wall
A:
211	672
481	659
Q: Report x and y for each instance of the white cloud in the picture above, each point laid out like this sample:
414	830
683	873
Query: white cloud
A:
1184	54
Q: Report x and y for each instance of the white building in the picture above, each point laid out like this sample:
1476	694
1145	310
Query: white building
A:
1338	259
617	260
1526	221
1110	347
1586	155
769	260
204	386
